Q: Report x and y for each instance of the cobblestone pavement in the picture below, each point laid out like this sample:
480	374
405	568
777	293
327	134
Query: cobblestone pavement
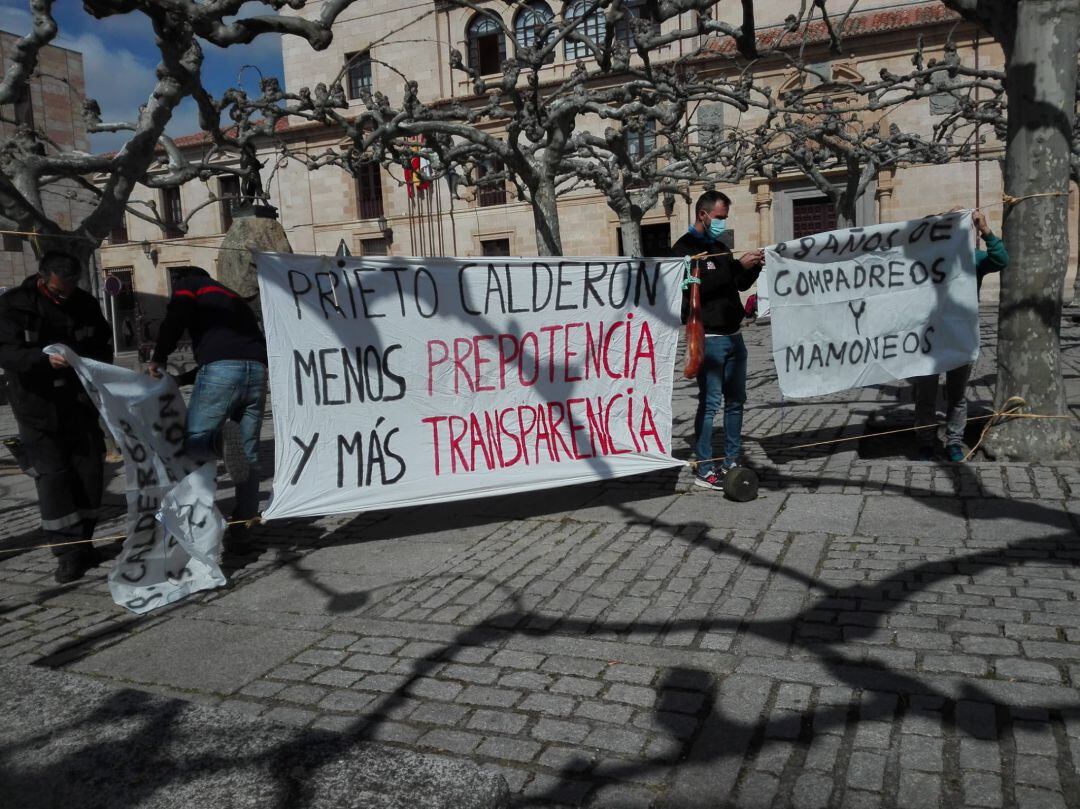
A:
871	631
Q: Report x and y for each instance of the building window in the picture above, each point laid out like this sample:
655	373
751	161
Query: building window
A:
119	234
359	73
592	27
655	240
495	247
812	215
374	247
487	45
641	147
13	244
369	202
528	24
172	212
624	32
229	192
641	141
489	192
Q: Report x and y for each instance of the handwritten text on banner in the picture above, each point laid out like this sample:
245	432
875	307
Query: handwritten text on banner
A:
405	381
861	306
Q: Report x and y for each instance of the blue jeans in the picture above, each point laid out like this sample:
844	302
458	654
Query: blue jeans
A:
722	379
236	390
956	409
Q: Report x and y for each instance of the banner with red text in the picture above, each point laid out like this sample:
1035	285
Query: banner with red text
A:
400	381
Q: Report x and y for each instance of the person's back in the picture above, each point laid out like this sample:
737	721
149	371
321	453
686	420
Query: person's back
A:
221	324
225	412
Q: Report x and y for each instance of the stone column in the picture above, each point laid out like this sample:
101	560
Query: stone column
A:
884	195
763	200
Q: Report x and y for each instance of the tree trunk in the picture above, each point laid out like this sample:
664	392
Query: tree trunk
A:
630	228
546	220
1076	280
1040	83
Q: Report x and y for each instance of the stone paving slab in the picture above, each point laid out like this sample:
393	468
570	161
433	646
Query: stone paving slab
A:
67	741
199	656
871	631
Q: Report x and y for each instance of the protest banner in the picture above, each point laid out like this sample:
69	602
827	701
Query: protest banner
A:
174	529
861	306
402	381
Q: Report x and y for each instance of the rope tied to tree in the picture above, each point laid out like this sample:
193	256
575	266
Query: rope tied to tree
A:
1011	409
1008	199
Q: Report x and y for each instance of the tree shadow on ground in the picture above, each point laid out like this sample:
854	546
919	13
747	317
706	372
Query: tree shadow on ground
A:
690	716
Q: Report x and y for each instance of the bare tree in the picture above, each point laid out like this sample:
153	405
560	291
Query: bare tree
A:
30	163
1039	40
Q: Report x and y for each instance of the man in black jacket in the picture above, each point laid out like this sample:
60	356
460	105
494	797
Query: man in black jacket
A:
58	424
723	372
225	413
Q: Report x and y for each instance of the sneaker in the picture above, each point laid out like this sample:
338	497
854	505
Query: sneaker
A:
710	480
955	453
232	453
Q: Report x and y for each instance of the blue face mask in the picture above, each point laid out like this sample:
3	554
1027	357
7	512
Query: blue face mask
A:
716	227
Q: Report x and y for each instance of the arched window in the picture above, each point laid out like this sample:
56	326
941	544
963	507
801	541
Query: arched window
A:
487	45
528	24
593	28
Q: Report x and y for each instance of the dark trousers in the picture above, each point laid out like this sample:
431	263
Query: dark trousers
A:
69	464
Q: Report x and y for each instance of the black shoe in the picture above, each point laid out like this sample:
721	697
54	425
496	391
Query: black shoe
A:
237	540
73	565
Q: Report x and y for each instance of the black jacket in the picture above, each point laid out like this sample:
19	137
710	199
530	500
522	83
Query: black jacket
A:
722	277
29	321
222	326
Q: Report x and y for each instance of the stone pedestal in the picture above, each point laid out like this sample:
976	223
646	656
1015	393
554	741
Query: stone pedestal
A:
253	226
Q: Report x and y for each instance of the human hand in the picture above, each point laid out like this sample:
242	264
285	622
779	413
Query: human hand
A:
58	362
755	258
978	218
153	369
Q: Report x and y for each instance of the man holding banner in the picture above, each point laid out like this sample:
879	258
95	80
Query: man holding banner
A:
58	426
994	259
225	414
723	373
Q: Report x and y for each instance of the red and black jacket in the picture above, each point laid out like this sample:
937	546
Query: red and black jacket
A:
222	326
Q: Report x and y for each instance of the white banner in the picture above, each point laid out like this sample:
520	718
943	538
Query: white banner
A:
860	306
402	381
174	529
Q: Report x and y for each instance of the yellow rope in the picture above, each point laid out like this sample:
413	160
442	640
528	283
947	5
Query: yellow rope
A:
1007	199
246	523
1009	409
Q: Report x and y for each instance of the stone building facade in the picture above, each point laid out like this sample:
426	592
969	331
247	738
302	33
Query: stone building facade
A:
52	107
374	214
